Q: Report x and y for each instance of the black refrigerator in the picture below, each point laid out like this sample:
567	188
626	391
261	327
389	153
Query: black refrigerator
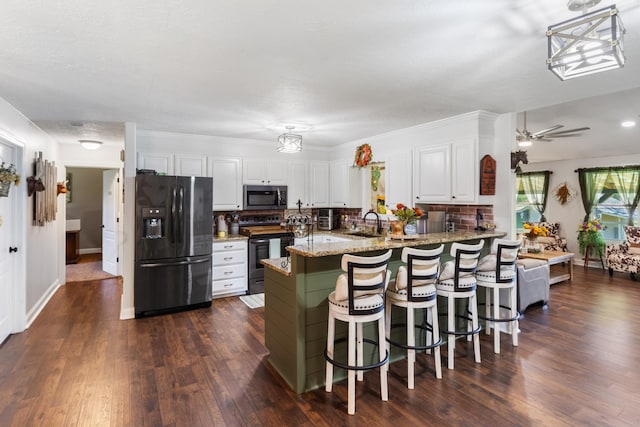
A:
173	243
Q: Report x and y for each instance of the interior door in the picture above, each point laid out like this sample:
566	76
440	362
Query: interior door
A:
7	240
110	192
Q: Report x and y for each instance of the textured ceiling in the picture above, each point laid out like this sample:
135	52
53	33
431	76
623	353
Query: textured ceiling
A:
348	70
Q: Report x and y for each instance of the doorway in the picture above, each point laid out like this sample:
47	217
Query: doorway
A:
92	212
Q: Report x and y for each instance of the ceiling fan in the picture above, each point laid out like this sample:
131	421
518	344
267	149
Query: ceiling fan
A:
525	138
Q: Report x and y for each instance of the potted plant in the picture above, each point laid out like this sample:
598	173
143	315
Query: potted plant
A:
8	176
590	238
406	216
531	233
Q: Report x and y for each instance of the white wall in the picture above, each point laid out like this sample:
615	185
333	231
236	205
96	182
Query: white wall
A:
43	251
571	214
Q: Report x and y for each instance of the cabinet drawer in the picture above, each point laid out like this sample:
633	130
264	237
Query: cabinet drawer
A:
229	246
229	285
229	257
229	271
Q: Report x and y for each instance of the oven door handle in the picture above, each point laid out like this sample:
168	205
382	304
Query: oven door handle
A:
255	242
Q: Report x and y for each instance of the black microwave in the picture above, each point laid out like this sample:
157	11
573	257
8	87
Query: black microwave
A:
265	197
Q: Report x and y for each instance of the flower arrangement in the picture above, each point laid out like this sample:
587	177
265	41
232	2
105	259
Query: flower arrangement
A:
589	236
407	214
363	155
533	231
8	174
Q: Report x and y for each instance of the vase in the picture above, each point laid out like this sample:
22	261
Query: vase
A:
410	229
4	188
397	227
532	244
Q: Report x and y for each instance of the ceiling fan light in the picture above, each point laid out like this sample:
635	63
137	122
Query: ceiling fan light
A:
628	124
524	142
90	144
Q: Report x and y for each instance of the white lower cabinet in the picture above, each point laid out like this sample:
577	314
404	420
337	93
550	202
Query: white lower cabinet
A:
229	268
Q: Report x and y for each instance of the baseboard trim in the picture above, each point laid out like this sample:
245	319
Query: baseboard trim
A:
90	251
126	312
41	303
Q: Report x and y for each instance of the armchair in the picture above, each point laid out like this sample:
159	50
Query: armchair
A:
553	241
625	256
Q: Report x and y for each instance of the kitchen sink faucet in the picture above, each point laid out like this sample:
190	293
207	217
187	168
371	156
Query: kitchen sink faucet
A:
378	223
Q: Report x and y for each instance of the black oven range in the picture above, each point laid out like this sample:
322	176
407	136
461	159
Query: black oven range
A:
267	239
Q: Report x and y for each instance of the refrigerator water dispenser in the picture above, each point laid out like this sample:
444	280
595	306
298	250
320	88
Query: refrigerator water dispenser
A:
153	219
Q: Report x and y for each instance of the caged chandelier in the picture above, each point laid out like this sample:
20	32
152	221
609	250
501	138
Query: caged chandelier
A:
588	44
289	142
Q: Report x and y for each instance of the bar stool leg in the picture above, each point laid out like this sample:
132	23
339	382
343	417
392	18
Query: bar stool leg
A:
411	341
515	326
351	399
451	338
487	309
496	325
435	338
328	381
360	351
428	313
474	319
384	390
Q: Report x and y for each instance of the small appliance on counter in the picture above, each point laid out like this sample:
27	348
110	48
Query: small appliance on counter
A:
327	219
431	222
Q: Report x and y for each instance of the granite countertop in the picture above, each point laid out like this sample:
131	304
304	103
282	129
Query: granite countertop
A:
281	265
229	238
314	249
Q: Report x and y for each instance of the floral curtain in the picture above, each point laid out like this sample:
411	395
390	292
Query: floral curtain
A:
627	182
591	184
536	188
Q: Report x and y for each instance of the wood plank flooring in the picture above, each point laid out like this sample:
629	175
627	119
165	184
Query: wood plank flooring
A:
78	364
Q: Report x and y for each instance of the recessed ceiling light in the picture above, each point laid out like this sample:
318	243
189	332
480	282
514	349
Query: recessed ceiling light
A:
628	124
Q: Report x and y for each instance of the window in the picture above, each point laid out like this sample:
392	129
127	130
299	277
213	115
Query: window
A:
531	197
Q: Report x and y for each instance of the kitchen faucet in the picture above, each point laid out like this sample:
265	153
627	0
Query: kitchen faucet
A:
378	224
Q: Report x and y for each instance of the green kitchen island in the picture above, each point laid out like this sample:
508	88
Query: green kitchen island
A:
296	310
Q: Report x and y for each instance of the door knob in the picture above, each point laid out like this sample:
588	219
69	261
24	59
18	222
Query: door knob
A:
12	249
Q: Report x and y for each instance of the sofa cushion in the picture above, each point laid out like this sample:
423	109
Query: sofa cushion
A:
529	263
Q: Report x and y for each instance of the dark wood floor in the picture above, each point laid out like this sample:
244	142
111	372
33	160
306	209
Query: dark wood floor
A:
577	364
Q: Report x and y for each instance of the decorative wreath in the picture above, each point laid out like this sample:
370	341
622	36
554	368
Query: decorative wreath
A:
363	155
564	193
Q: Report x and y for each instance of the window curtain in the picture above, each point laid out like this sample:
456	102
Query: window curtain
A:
591	183
627	182
536	188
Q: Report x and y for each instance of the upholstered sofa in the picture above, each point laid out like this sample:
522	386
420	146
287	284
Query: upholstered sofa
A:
533	283
552	241
625	256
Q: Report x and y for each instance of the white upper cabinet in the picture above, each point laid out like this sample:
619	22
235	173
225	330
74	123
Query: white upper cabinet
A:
160	162
319	184
298	185
344	185
227	183
398	174
446	173
190	165
265	172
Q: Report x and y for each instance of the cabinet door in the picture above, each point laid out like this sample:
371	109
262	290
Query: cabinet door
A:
254	171
278	172
338	184
319	183
298	185
432	174
464	172
227	183
194	165
160	162
398	185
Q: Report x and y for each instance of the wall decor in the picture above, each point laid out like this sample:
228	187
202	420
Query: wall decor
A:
564	194
69	182
517	158
487	176
45	203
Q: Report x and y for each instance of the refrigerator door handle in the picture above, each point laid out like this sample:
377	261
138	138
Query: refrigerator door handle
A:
180	214
174	217
165	264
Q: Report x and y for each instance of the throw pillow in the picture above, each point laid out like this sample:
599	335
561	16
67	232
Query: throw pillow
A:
634	248
342	285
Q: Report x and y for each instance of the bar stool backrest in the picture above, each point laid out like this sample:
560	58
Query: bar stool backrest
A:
466	262
423	267
365	276
506	257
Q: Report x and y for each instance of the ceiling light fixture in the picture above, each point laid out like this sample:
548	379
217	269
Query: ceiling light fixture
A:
588	44
628	124
289	142
90	144
524	142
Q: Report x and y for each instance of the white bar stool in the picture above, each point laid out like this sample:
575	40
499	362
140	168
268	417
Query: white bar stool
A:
359	298
498	271
415	288
457	280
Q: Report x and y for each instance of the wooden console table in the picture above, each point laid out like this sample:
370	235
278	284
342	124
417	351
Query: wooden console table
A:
73	247
552	258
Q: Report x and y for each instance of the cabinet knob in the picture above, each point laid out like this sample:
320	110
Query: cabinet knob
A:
453	197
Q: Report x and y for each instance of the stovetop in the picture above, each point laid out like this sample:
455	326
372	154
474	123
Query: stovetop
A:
261	225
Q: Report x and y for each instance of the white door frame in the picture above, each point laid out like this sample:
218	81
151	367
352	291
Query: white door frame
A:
18	296
107	165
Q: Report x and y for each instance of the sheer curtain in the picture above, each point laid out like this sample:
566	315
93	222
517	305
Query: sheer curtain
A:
536	188
591	184
627	182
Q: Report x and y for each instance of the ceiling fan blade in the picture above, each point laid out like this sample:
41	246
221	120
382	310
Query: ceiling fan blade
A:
560	132
567	135
519	133
551	129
